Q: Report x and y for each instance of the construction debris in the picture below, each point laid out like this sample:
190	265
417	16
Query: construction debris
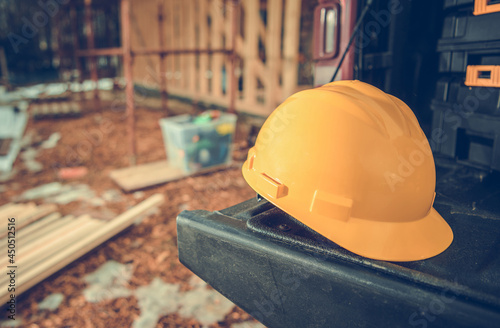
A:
52	141
53	242
112	196
159	299
28	156
68	173
51	302
108	282
42	191
149	247
6	176
58	193
12	124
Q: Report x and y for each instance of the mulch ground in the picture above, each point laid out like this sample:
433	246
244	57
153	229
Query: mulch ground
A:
98	140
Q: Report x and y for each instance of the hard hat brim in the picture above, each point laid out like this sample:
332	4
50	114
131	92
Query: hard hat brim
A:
393	241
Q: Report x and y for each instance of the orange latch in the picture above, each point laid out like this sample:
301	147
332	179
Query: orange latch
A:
483	76
482	7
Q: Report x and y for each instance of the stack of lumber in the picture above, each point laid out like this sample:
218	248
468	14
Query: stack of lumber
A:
46	241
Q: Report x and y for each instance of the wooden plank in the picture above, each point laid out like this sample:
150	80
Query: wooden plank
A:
162	72
17	212
203	44
190	44
8	208
263	31
273	52
21	246
216	43
143	169
41	254
86	226
291	47
239	45
38	226
32	228
81	246
60	223
170	42
152	174
39	212
39	239
182	37
21	215
146	175
261	72
251	48
228	28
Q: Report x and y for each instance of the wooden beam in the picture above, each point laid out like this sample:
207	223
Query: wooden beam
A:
157	51
251	48
273	52
91	45
100	52
182	37
231	34
190	44
203	44
216	43
37	226
173	42
291	47
79	246
86	225
76	45
127	72
162	74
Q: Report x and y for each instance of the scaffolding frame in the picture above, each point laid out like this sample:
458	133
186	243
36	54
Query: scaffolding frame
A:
127	54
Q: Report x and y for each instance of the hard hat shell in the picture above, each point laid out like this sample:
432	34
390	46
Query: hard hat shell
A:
352	163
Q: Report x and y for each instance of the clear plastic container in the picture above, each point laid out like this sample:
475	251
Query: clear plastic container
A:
195	146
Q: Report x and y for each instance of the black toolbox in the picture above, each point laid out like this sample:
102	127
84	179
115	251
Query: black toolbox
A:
286	275
466	105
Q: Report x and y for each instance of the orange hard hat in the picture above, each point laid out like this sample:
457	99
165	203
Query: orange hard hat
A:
352	163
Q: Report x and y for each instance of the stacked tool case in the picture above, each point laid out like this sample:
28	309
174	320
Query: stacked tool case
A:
396	41
466	107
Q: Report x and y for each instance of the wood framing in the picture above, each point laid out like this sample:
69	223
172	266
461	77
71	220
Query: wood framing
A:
197	49
267	49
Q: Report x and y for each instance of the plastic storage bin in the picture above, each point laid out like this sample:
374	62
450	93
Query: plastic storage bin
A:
193	146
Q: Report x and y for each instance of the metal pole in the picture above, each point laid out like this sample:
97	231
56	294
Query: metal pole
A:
76	44
91	45
162	71
127	72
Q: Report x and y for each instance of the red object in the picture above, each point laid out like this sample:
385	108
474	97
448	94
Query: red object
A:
334	22
69	173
